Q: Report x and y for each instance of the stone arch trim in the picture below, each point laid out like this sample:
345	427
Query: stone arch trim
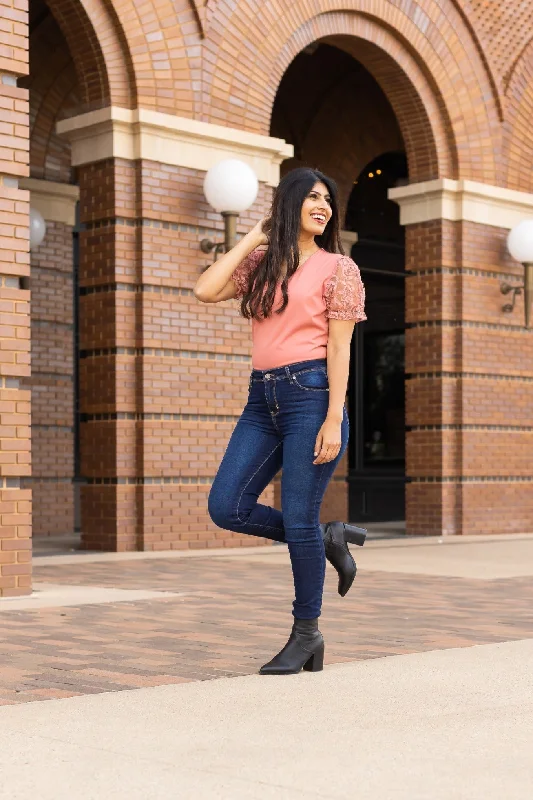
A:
447	70
101	57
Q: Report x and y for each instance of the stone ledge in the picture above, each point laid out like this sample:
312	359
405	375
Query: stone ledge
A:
115	132
462	200
55	201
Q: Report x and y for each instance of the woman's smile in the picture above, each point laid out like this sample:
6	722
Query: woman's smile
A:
314	220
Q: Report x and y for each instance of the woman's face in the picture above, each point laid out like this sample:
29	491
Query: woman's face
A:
316	210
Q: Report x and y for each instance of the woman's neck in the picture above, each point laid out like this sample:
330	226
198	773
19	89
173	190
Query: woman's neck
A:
307	244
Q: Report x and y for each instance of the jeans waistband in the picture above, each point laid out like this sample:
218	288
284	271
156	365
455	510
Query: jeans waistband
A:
278	373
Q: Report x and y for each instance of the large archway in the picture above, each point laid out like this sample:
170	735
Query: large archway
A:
335	114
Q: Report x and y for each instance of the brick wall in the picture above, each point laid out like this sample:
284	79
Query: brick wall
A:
470	384
153	425
15	501
52	383
163	377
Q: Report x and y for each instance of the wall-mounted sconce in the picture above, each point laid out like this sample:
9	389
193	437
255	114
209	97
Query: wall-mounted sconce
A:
37	228
230	187
520	246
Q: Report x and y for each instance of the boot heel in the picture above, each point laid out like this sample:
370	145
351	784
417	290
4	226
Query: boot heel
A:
354	535
316	662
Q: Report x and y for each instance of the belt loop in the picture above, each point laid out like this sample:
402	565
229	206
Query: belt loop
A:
288	373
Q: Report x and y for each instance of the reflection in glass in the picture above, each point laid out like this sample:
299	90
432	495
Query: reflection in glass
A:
384	398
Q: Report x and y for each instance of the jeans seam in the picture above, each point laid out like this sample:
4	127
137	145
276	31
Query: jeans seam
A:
318	485
275	398
259	525
311	369
309	388
248	483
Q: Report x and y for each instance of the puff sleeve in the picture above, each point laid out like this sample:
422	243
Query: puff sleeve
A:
241	276
344	292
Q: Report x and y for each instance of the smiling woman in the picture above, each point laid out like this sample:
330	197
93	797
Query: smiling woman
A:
304	297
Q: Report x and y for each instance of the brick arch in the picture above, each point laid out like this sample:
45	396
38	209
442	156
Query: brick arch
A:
437	63
517	171
101	57
425	128
54	92
50	156
164	40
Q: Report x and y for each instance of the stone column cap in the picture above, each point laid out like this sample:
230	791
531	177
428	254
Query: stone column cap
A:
55	201
470	201
141	133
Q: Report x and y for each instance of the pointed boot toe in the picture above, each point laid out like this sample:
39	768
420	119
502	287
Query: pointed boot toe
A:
304	650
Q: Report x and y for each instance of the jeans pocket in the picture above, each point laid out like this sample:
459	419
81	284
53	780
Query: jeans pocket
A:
311	380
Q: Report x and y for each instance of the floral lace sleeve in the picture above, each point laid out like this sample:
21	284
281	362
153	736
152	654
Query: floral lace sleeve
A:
344	292
241	275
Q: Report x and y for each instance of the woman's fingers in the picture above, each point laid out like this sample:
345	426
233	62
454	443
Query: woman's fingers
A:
327	453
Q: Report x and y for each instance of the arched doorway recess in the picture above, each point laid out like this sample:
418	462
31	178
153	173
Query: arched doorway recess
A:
334	113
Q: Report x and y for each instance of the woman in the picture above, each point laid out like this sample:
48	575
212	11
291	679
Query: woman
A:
304	298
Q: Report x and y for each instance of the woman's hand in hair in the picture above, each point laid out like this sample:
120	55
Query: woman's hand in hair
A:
258	231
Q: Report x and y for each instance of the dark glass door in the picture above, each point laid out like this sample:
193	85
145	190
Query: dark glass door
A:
376	475
376	390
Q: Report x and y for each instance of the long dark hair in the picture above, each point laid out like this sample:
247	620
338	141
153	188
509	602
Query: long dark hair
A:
282	227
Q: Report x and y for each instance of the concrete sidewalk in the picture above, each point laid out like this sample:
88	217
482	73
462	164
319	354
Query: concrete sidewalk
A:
441	725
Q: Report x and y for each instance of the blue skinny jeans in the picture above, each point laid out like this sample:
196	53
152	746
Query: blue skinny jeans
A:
277	430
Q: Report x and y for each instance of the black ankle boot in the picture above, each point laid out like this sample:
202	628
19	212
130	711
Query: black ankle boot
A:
335	535
304	650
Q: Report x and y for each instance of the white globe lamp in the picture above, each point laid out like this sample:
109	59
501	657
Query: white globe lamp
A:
520	241
520	246
230	187
37	228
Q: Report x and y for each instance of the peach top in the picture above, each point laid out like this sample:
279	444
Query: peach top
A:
326	286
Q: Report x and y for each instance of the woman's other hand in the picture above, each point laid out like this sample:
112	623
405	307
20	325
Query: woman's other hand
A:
328	442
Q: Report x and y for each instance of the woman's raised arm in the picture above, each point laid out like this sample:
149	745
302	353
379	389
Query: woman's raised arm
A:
215	284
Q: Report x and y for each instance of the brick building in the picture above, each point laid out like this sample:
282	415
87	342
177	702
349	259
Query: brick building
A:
110	114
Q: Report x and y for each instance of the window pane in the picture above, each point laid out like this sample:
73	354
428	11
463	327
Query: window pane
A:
384	399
